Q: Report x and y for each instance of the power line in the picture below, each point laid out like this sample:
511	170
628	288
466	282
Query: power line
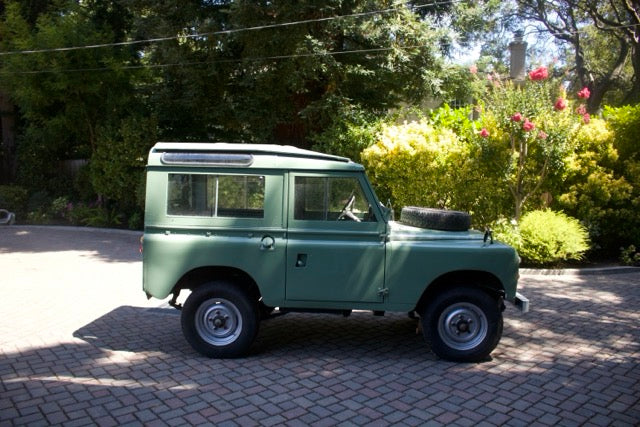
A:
217	61
580	31
226	32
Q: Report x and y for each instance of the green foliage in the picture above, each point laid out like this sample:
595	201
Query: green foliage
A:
117	167
456	119
64	109
14	199
419	164
625	122
287	83
602	183
44	210
630	255
545	237
349	135
94	215
412	163
59	207
592	190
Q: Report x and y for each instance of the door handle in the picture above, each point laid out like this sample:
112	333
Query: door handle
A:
301	261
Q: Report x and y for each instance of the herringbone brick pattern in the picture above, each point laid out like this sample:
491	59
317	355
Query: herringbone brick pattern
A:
73	353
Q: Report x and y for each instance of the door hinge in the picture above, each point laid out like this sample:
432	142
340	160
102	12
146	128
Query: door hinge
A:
383	292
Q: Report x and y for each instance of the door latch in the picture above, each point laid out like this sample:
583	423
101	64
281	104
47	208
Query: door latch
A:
383	292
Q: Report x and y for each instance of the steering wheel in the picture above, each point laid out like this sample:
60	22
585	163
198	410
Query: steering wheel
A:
347	210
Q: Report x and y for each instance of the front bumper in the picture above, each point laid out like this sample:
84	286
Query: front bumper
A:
521	302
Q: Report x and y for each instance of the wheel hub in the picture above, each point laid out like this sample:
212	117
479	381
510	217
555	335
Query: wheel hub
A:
218	321
462	326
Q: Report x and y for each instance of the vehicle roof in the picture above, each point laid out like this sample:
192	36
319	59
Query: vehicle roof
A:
269	156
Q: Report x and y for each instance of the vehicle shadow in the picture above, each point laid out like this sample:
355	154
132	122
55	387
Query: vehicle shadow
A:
361	335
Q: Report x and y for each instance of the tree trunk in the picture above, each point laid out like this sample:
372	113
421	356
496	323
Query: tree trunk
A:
8	143
633	96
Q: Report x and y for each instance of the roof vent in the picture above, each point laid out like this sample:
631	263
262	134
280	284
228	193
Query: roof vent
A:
207	159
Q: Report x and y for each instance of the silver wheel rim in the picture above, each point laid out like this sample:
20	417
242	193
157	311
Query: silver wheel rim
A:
218	321
462	326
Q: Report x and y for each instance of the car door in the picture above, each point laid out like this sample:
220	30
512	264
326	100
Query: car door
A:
335	241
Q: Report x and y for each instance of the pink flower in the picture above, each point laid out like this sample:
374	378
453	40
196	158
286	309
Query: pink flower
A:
539	73
473	69
582	110
586	118
542	135
527	125
560	104
484	133
584	93
516	117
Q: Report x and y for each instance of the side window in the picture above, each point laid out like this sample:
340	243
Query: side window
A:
331	199
239	196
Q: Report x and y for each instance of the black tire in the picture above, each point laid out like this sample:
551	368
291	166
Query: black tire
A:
220	320
435	219
463	324
265	310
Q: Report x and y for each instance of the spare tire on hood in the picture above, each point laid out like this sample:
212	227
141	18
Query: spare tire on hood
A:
435	219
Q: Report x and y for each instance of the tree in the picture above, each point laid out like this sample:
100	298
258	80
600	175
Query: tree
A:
66	98
285	70
8	111
575	22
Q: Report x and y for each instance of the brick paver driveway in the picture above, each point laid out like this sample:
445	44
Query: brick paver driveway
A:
80	344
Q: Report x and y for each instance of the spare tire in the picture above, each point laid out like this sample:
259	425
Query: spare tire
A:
435	219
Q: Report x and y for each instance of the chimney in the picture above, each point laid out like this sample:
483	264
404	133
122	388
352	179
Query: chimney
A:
518	49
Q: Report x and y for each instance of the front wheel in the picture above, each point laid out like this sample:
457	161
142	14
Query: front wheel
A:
463	324
220	320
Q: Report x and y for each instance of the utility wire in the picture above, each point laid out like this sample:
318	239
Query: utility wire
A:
581	31
226	32
217	61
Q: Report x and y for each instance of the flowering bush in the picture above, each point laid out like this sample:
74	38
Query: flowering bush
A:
584	93
526	131
539	73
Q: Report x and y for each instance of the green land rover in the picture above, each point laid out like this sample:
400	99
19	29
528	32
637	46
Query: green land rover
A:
249	229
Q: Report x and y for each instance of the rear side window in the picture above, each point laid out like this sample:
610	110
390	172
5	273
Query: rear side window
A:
238	196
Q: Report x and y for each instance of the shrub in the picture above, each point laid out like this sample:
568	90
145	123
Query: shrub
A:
546	237
417	164
592	191
349	135
601	184
630	256
93	215
625	122
14	198
118	163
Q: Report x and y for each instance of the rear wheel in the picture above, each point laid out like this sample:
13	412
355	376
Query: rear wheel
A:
463	324
220	320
